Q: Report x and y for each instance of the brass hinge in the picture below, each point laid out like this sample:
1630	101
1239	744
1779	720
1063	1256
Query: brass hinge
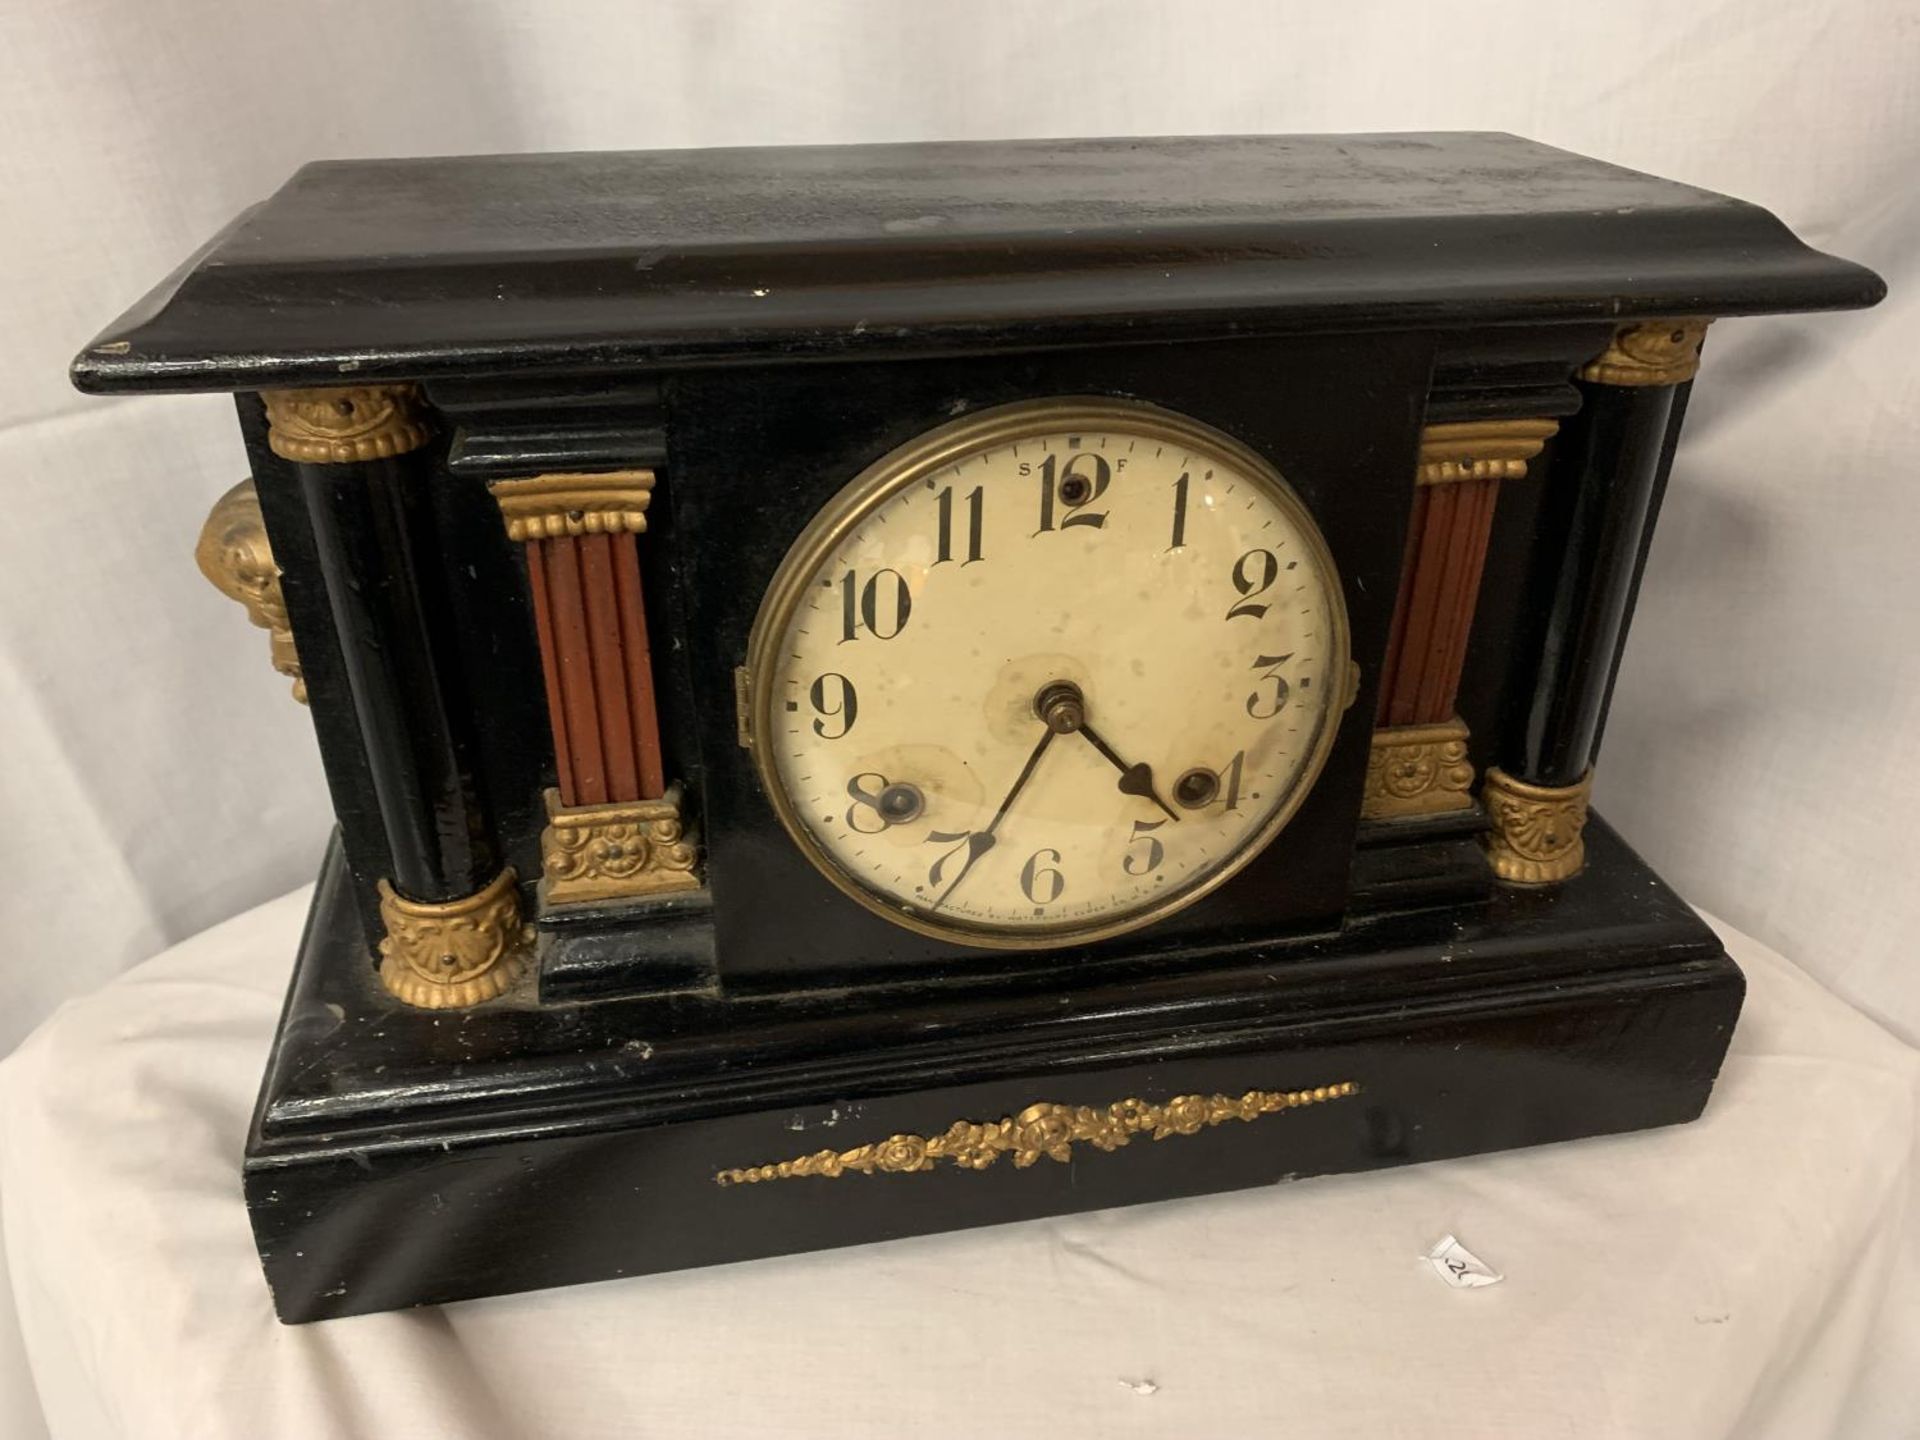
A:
743	706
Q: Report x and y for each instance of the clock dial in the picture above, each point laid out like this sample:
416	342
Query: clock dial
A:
1049	673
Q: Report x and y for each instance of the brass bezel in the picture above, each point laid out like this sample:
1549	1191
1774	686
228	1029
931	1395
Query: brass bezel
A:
914	461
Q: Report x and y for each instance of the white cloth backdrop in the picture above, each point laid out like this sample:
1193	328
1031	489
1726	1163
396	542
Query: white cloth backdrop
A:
154	776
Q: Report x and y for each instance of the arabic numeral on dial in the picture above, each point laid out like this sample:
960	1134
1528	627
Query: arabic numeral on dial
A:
1042	883
1231	775
1269	695
1073	487
835	702
881	606
1138	861
976	512
1179	512
1253	574
866	803
958	842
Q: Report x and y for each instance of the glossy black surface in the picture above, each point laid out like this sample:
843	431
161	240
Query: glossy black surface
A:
414	269
1663	475
379	556
1596	506
402	1158
598	952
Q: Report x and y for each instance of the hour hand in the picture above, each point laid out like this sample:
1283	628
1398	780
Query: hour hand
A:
1135	779
1064	709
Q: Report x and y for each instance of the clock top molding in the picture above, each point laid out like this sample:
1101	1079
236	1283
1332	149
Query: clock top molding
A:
447	268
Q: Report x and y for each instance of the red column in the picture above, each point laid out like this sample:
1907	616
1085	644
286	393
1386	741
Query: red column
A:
592	624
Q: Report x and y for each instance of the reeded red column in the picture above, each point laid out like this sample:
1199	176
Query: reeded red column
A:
592	621
615	827
1419	763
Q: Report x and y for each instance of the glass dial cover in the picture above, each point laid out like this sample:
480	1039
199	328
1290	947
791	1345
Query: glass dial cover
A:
1048	673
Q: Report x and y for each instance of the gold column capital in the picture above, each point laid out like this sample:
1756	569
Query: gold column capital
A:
456	953
547	507
1535	838
234	555
1480	449
1418	770
344	425
1649	352
616	852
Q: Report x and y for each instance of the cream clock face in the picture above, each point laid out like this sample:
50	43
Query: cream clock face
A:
1048	673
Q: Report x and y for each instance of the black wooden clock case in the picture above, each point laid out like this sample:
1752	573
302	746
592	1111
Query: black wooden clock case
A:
756	327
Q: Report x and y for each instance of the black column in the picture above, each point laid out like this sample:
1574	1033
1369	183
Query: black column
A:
1602	489
373	530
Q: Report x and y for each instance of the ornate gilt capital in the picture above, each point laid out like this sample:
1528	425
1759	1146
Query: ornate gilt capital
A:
616	852
1480	449
1535	838
345	424
546	507
1652	352
458	953
234	554
1044	1130
1418	770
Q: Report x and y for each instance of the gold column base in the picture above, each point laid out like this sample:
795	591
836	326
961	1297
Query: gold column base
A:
1535	838
458	953
1418	770
615	852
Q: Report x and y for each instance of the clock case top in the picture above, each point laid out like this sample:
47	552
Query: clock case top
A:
358	271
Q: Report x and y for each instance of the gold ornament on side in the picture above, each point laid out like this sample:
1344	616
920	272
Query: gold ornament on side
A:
454	954
546	507
1653	352
1536	828
234	554
1418	770
610	852
1045	1129
1480	449
346	424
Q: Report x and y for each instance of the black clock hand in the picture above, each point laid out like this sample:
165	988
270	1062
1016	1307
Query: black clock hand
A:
1134	779
1064	709
981	841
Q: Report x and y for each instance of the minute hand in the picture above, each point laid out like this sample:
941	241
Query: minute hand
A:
1134	779
981	841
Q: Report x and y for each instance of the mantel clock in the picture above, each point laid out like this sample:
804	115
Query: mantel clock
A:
883	689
